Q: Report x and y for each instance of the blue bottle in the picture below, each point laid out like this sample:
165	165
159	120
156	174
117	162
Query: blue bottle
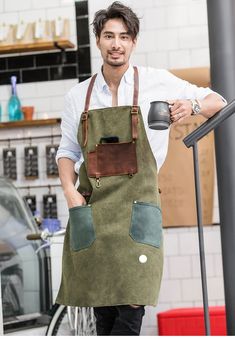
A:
14	106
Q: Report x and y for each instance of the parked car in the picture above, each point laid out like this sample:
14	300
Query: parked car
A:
25	275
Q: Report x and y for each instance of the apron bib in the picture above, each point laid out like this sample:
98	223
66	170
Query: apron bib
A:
113	246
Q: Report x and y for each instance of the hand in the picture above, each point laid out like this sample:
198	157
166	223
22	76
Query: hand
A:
75	199
180	109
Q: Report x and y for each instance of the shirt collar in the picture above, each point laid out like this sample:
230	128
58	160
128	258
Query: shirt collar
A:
128	77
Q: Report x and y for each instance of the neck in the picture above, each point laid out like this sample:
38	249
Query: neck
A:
113	75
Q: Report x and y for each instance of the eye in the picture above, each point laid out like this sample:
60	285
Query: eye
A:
108	36
125	37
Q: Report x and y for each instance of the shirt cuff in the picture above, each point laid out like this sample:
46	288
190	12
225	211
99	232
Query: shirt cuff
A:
68	155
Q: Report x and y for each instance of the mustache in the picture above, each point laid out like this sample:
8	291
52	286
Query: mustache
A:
115	51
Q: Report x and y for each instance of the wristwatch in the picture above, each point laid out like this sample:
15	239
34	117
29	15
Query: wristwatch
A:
196	107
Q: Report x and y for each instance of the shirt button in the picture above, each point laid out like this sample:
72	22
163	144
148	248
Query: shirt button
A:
143	259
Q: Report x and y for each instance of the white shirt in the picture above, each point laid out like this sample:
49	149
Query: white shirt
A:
154	84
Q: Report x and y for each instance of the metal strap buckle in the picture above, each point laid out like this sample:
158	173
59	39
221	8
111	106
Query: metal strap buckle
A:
84	116
135	109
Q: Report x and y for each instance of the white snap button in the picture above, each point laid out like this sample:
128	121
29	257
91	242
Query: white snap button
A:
143	258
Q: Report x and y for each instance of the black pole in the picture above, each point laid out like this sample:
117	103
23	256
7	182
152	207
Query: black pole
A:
201	239
221	26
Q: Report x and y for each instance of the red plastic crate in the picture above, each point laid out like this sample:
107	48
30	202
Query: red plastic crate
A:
190	321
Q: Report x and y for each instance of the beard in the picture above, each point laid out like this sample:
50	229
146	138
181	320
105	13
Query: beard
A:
115	62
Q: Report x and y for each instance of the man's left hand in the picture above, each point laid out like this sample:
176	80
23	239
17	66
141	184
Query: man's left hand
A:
180	109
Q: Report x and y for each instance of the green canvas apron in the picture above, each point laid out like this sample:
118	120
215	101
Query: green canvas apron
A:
113	245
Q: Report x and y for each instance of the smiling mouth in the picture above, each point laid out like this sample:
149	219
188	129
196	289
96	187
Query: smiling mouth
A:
116	54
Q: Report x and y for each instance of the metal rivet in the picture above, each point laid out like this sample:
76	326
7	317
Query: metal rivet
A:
143	258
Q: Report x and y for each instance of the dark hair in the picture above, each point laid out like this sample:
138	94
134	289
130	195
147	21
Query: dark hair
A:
120	11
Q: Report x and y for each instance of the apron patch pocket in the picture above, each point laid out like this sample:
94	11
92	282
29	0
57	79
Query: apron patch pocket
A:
82	233
146	224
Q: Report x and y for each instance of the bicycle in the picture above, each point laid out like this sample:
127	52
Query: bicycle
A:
66	320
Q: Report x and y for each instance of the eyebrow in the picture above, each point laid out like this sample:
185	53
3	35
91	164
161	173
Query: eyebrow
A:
122	33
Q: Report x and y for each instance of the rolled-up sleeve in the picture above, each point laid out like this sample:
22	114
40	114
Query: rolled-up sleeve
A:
69	146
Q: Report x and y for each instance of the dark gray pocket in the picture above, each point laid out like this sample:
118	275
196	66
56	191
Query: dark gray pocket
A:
146	224
82	233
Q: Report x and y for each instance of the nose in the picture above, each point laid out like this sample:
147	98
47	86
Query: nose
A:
115	43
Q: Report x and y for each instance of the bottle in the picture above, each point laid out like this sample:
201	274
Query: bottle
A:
0	112
14	106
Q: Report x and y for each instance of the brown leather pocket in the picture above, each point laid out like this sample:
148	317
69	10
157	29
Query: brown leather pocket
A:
112	159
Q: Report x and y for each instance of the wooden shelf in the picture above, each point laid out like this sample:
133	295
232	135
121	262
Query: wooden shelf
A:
30	123
36	46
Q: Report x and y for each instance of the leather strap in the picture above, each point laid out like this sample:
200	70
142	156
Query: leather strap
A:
85	113
84	127
134	110
88	94
136	87
134	122
135	107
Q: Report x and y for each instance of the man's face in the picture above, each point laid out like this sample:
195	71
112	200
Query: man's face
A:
115	43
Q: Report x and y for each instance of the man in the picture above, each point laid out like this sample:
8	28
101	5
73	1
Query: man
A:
112	258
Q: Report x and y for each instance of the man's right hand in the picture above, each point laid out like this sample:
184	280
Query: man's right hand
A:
75	199
68	180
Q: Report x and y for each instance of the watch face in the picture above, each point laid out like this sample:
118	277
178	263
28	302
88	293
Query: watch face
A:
196	108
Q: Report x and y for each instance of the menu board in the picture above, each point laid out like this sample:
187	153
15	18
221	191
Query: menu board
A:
31	162
9	163
52	168
50	206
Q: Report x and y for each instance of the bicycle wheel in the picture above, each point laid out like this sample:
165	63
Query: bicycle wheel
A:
71	321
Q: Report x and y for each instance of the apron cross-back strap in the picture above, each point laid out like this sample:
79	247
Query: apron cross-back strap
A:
85	113
134	110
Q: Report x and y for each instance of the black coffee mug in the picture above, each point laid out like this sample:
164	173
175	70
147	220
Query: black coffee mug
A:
159	115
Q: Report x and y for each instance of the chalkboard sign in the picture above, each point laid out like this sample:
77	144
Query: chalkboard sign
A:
31	201
9	163
31	162
50	206
52	168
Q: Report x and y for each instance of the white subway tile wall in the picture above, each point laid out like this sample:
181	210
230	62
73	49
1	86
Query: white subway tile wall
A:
12	5
173	35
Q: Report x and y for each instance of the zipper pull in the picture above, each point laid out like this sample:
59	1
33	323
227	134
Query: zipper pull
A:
97	182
